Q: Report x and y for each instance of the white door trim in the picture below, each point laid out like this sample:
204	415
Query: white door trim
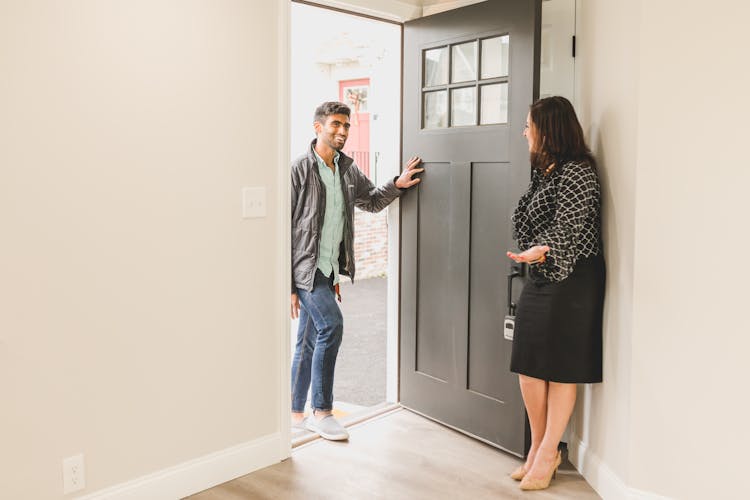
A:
392	302
284	227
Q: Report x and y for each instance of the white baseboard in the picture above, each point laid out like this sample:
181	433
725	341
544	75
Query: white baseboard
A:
197	475
597	473
645	495
603	479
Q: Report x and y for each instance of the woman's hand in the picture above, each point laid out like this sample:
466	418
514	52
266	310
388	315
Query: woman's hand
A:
533	255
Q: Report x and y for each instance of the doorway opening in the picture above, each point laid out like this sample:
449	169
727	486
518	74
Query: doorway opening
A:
337	56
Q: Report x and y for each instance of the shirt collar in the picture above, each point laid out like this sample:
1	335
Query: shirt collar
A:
323	163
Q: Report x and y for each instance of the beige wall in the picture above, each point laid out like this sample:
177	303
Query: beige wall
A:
607	104
139	318
661	95
691	327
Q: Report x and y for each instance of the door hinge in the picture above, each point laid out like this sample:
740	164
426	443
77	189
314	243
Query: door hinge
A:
574	45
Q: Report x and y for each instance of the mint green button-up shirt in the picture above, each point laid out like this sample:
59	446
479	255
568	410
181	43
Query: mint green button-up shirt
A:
333	221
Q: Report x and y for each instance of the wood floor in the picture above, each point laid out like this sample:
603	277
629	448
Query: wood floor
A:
398	456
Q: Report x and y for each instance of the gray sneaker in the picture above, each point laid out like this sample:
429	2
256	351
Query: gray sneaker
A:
328	428
301	425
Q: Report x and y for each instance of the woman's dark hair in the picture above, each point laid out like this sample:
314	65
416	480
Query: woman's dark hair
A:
330	108
559	136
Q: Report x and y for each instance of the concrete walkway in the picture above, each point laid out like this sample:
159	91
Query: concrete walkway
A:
360	368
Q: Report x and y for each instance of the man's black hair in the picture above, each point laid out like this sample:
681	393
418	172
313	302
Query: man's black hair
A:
330	108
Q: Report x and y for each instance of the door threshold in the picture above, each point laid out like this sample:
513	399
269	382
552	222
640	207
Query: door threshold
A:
474	436
350	421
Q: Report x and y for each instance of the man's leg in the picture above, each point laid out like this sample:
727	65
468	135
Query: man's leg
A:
302	364
321	307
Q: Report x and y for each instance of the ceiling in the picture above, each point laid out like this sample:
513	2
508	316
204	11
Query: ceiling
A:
396	10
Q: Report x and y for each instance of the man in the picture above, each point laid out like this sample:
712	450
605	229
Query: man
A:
326	186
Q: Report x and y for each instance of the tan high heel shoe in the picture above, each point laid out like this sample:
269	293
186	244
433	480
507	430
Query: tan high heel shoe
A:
518	473
528	483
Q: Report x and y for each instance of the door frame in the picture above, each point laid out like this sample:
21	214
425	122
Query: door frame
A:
283	225
283	206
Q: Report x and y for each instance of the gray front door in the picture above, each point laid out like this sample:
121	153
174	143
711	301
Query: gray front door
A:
469	77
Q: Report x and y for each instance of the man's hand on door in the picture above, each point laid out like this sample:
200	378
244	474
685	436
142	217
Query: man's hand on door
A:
405	180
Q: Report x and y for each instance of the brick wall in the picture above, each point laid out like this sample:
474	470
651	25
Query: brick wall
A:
370	244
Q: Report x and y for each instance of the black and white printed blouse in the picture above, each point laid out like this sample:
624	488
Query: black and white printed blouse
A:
563	211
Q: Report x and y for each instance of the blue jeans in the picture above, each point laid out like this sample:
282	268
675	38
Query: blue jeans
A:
318	339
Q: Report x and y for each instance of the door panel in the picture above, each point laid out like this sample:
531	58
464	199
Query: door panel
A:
456	224
443	231
490	201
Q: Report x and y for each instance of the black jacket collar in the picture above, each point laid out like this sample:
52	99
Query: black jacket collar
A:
344	161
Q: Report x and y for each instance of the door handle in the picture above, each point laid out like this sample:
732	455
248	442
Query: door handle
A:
516	271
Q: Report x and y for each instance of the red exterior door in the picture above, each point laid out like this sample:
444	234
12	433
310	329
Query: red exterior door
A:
355	93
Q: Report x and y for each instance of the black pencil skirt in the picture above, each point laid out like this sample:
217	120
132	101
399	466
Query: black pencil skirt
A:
558	331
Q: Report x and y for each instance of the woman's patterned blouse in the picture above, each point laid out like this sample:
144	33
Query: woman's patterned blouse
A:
563	211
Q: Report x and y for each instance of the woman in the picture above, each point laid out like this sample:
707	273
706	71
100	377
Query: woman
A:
558	334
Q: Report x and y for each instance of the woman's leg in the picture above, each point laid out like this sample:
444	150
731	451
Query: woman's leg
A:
560	401
534	392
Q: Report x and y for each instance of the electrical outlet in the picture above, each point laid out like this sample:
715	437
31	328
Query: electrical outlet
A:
253	202
74	474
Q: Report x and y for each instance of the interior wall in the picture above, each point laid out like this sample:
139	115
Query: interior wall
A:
660	94
607	102
140	322
690	341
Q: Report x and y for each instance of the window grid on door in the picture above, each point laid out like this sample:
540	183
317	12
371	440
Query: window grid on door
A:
465	84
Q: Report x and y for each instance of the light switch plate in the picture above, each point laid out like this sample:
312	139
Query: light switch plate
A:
253	202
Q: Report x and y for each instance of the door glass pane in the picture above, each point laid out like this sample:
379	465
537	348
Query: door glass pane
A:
436	109
495	57
436	67
494	104
464	107
464	62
